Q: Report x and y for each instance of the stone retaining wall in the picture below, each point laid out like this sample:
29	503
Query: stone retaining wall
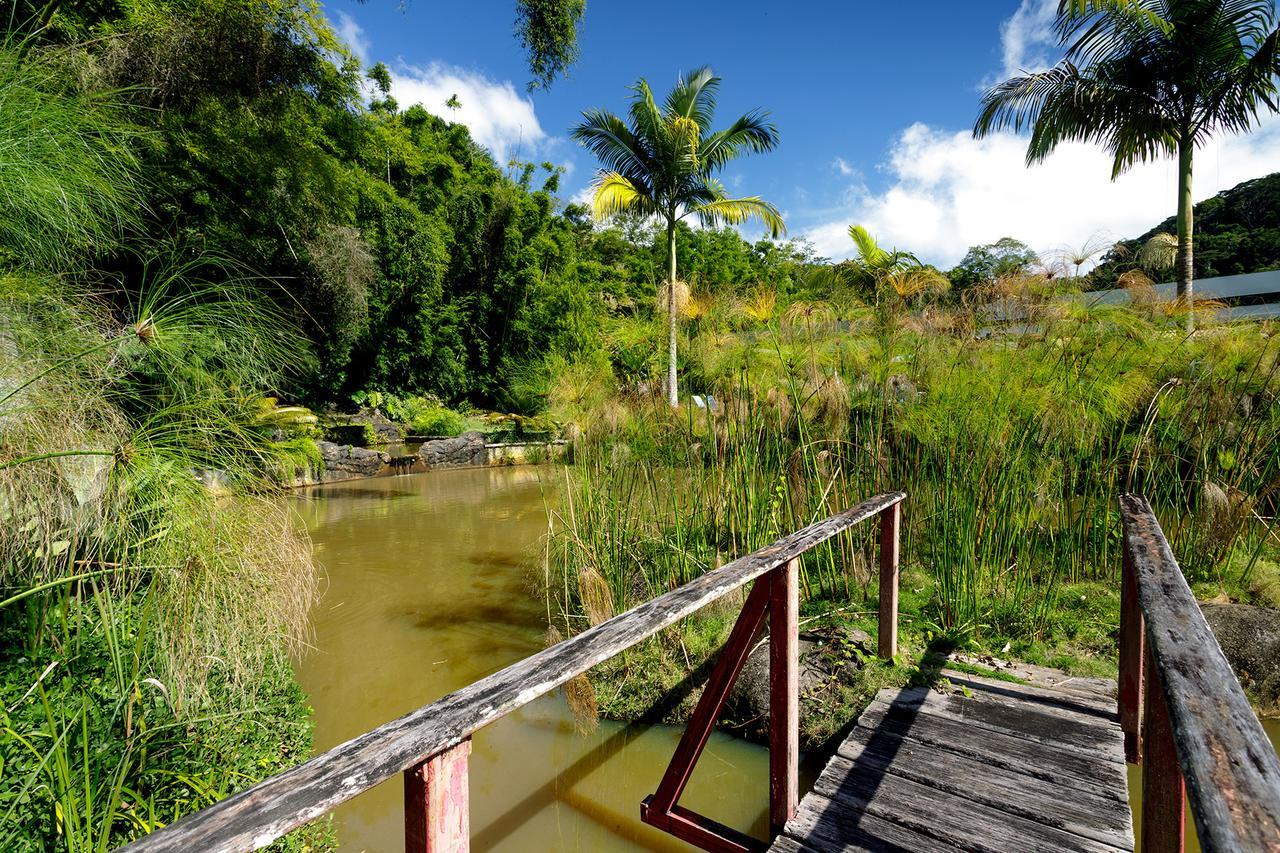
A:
348	462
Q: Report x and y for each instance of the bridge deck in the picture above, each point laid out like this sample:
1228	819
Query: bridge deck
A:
982	765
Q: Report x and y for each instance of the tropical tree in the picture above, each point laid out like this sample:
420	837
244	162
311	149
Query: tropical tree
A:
662	162
1146	79
990	261
875	271
874	265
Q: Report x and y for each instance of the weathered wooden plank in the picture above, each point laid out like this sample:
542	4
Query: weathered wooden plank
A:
1087	709
783	844
1054	727
1070	769
829	827
1132	629
1163	790
887	628
437	810
1232	772
1101	691
784	693
956	820
259	815
1082	813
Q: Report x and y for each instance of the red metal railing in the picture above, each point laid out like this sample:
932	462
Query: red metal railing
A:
776	596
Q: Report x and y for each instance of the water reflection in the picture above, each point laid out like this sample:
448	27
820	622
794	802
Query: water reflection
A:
428	590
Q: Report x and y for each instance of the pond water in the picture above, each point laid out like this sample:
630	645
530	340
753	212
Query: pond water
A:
428	589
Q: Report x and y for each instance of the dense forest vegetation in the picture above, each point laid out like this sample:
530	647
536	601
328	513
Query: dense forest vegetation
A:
1237	231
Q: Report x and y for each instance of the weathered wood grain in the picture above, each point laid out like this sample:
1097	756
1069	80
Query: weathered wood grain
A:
1101	691
1164	827
784	693
828	827
950	818
258	815
437	808
1083	813
990	712
890	552
1132	629
1232	772
1089	709
1068	769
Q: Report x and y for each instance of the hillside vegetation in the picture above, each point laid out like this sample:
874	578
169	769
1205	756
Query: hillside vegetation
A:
1237	231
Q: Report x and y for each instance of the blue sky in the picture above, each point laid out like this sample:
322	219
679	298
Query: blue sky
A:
873	102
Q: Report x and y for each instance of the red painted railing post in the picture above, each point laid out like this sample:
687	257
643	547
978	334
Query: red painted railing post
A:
437	811
784	694
1163	788
890	520
1132	633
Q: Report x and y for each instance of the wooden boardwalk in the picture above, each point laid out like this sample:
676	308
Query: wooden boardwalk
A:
977	765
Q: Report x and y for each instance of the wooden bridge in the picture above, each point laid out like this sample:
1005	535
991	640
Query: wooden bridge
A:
976	764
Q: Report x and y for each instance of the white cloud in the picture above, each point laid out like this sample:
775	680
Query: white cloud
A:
583	196
843	166
948	191
498	117
1027	38
351	33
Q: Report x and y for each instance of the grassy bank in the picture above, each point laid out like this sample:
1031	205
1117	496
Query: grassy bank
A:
151	589
1012	449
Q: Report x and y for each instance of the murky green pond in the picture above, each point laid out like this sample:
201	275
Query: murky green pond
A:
427	590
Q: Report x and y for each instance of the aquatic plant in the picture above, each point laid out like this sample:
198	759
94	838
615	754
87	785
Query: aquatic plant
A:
1012	450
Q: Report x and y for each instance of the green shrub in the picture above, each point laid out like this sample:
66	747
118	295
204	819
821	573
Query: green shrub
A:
439	421
94	757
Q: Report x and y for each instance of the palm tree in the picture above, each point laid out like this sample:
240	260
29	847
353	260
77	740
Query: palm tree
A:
874	265
875	271
663	162
1146	79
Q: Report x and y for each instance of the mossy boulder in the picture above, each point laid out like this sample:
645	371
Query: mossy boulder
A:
466	450
829	660
345	462
1250	638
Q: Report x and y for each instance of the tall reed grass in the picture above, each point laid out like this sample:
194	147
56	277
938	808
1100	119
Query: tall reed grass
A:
1012	449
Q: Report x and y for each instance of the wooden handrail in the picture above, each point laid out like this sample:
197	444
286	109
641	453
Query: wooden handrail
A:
253	818
1200	734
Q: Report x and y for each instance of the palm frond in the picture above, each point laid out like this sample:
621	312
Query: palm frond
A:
734	211
646	118
611	140
869	251
614	193
694	96
751	133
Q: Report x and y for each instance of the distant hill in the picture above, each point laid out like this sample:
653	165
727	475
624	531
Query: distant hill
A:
1236	231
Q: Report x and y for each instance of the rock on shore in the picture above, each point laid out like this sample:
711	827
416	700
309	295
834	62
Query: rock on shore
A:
1250	638
465	450
346	462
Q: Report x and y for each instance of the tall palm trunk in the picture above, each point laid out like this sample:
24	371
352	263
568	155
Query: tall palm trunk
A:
1186	215
672	397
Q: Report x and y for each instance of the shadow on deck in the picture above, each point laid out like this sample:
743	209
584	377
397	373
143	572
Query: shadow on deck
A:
974	764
